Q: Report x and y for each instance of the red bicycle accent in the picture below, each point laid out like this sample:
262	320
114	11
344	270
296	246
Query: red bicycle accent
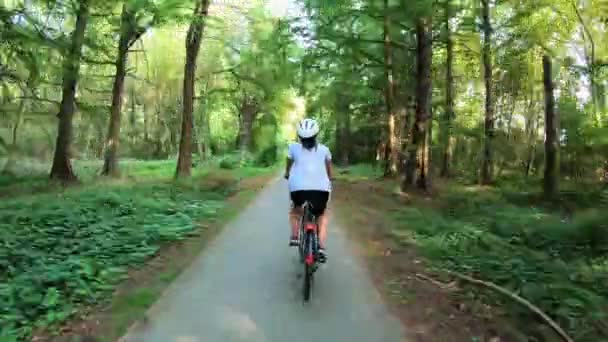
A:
310	226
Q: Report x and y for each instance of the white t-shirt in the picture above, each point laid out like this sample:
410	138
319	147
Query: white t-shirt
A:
308	171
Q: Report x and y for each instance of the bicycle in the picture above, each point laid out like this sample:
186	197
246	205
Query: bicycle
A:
308	247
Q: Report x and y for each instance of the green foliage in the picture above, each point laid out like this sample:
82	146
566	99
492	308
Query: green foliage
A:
62	251
265	135
262	159
267	157
236	160
557	263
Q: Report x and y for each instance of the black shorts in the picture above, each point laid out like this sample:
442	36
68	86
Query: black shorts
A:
318	199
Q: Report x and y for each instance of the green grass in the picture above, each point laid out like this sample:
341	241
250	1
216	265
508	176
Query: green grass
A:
132	305
61	251
560	264
358	172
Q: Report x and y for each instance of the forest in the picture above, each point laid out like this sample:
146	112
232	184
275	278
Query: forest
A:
482	125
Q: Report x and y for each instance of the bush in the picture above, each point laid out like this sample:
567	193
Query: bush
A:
267	157
236	160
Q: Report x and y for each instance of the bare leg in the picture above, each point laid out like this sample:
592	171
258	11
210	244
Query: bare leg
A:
294	219
322	220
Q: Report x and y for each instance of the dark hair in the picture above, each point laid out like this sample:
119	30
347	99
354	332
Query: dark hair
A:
309	143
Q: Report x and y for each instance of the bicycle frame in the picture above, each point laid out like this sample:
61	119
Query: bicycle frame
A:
309	227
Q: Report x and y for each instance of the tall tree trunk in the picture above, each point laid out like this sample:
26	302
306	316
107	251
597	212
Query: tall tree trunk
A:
417	168
248	113
487	166
392	155
193	44
110	166
448	137
62	166
550	180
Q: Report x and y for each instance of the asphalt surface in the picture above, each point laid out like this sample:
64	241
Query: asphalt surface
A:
246	286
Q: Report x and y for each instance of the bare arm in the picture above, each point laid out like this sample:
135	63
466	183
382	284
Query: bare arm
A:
288	167
329	168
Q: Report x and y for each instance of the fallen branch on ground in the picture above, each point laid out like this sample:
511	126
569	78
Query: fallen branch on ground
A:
516	298
448	286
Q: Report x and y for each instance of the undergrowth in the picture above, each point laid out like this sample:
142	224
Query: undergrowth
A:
558	263
62	251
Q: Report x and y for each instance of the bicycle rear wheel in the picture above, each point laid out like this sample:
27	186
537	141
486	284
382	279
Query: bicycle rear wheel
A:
308	267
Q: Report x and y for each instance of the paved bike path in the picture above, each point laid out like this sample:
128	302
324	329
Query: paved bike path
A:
246	286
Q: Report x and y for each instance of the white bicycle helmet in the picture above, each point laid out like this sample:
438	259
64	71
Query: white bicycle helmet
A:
308	128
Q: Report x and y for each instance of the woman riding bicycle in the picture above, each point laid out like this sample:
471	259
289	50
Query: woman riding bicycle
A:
309	172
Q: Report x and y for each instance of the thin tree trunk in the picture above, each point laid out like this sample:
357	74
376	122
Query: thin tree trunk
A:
11	159
197	137
342	131
62	166
529	133
193	44
510	108
110	166
392	155
206	131
346	135
406	131
133	117
532	163
339	137
487	167
448	138
417	168
18	122
401	116
146	124
591	64
158	151
550	180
